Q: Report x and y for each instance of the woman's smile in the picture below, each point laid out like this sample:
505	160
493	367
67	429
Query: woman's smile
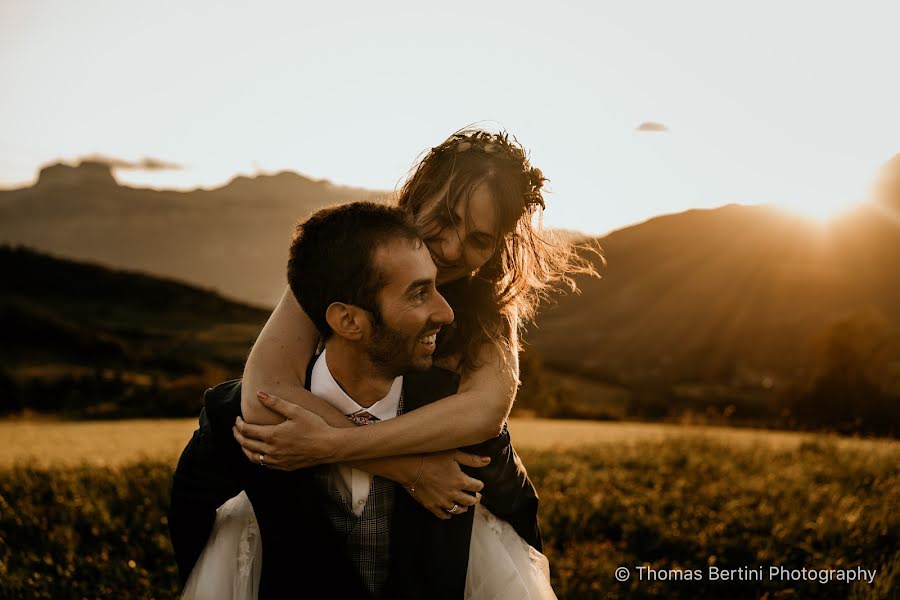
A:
467	235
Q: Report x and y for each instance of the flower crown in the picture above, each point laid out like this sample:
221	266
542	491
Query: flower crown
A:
499	145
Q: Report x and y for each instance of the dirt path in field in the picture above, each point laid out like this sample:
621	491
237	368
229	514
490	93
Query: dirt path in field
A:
42	443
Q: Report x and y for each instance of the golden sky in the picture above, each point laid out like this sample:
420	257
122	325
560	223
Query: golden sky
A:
793	103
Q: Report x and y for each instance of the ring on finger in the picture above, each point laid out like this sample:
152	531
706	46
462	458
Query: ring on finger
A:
262	459
453	510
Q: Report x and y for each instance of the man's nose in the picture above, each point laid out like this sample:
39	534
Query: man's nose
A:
443	314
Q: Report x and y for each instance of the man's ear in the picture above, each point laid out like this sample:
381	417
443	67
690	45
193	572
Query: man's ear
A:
346	320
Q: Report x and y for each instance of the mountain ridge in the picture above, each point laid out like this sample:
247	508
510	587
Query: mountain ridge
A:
703	293
233	238
734	292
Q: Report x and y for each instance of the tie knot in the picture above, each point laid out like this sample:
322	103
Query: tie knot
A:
362	417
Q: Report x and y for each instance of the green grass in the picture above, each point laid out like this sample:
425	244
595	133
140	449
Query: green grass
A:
684	503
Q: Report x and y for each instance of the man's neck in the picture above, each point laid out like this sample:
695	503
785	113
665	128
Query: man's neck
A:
355	373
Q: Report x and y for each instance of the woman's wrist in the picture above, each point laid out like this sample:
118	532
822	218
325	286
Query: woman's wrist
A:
404	470
411	488
338	444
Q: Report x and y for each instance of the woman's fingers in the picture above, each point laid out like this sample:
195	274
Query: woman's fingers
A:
465	500
456	509
253	448
249	444
432	502
262	433
251	456
437	511
471	484
276	404
471	460
444	485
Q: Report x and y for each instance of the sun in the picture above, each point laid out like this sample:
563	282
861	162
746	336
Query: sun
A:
822	211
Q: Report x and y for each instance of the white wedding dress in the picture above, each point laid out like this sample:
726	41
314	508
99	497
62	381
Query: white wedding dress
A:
230	564
502	566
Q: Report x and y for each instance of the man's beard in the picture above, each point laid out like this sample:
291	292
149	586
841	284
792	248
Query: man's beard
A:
392	352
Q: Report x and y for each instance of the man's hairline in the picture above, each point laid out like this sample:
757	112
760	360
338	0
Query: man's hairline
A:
414	240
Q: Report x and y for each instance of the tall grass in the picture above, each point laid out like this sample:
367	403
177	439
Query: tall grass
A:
100	532
86	532
692	503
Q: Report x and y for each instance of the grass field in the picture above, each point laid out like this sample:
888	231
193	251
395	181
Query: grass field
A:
82	508
48	443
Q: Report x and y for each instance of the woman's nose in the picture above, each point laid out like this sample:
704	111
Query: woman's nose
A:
451	248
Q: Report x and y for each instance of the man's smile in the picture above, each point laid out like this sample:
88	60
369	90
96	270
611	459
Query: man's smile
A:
429	340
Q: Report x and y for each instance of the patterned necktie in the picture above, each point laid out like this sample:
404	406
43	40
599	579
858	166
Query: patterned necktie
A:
364	417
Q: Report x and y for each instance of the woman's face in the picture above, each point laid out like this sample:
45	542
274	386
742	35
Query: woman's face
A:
460	238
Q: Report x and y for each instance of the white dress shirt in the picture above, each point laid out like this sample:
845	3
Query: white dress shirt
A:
352	483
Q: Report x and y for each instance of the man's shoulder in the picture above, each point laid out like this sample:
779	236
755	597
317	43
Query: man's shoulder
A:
224	388
223	402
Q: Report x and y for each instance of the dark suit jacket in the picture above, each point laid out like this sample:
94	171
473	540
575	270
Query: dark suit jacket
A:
301	550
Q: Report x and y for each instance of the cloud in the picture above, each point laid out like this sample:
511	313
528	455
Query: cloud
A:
145	164
651	126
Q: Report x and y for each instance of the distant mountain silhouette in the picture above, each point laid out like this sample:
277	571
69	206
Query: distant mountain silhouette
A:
87	173
733	294
233	238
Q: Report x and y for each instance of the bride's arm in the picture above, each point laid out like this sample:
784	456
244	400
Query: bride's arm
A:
476	413
277	363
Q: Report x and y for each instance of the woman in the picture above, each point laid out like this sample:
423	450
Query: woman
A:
473	198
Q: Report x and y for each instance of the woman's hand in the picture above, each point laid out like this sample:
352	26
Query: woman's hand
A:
442	484
302	440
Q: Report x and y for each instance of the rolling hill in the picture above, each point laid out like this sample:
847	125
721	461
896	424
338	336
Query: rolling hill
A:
745	297
736	292
86	340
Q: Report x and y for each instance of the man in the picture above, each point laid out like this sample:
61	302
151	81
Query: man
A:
332	529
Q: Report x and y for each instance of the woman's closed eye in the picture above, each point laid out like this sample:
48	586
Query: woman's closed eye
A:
474	239
482	242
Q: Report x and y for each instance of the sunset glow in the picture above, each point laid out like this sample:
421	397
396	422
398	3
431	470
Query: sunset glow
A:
630	110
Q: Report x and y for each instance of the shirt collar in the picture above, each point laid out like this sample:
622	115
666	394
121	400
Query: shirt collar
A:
323	385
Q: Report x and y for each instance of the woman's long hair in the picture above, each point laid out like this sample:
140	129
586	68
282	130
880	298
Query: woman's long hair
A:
525	266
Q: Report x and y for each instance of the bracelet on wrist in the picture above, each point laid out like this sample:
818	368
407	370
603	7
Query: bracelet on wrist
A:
412	487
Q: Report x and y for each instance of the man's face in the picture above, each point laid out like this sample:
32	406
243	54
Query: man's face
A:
412	310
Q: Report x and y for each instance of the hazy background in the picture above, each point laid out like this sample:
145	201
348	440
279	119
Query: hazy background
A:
154	156
738	167
787	103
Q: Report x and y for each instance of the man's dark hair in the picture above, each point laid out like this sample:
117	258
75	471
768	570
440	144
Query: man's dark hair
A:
332	257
